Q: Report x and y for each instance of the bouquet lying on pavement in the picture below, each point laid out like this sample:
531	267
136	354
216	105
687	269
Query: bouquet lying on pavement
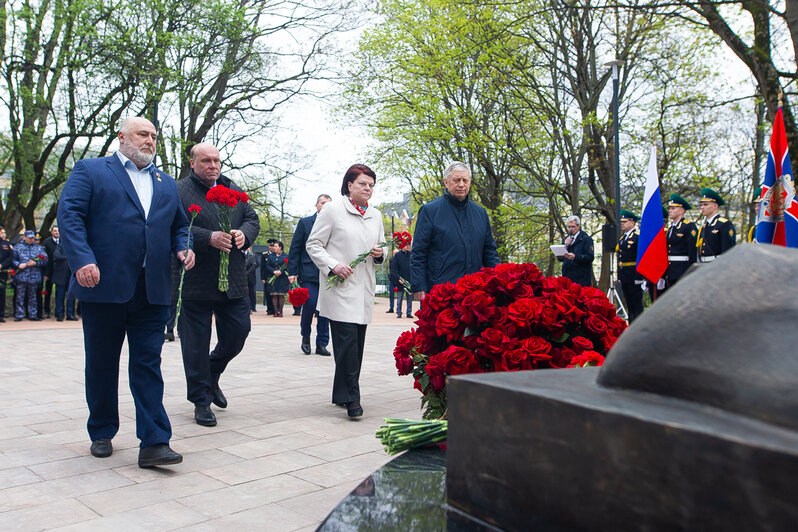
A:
399	435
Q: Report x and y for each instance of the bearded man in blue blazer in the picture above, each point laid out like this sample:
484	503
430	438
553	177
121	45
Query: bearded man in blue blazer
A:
121	219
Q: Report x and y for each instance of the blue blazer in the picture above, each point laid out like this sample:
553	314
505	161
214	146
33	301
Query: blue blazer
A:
299	262
102	222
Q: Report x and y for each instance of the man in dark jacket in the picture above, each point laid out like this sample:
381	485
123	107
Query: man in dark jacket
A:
577	263
303	270
202	299
452	237
252	268
57	274
399	275
631	281
265	274
6	263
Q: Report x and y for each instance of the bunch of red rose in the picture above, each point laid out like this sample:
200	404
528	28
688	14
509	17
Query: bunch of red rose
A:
507	318
401	239
297	296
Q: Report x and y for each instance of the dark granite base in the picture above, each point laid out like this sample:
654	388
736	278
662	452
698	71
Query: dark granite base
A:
551	450
407	493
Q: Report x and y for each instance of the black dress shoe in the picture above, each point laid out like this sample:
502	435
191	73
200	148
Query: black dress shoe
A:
322	350
35	319
59	318
305	346
354	409
169	336
71	318
218	397
340	404
158	454
17	319
101	448
389	311
47	315
203	415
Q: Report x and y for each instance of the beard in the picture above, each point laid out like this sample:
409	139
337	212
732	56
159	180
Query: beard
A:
136	155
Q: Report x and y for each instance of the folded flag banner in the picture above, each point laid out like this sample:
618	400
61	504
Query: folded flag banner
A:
777	219
652	247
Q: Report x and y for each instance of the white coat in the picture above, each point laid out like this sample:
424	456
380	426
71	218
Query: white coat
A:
339	235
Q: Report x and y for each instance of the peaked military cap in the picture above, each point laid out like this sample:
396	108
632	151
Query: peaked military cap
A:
30	234
678	201
629	215
707	194
757	195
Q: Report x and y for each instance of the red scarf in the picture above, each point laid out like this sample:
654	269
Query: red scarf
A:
361	210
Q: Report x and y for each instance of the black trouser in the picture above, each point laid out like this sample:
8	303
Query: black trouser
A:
348	342
48	293
267	299
232	328
633	294
253	299
3	283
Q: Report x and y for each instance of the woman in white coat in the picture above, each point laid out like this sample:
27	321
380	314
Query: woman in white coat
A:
345	228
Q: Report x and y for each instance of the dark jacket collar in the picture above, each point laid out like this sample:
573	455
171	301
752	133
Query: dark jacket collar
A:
221	180
454	201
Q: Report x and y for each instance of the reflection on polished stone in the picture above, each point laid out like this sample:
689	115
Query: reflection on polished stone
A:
407	493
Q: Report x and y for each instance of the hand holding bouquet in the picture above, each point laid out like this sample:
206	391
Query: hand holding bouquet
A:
297	296
226	201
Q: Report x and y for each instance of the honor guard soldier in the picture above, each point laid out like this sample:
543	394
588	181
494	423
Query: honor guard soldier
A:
681	237
756	199
717	234
631	281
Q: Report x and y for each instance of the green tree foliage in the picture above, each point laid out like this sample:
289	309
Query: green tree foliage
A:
210	71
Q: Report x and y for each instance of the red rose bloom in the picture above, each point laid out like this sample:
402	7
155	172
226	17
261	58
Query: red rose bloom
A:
448	324
581	344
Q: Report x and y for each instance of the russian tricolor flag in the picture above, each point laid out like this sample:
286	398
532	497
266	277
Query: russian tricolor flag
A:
777	219
652	247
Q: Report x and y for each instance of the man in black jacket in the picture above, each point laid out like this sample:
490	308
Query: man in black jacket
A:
302	269
399	275
577	263
202	299
6	263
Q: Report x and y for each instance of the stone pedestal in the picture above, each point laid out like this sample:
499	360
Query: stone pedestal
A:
552	450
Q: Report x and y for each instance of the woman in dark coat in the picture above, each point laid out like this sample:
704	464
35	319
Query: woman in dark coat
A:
277	263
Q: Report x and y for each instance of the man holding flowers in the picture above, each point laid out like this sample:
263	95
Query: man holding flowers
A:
220	264
121	221
452	237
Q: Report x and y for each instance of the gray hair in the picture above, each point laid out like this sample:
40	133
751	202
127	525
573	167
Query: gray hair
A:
455	166
323	196
124	125
574	218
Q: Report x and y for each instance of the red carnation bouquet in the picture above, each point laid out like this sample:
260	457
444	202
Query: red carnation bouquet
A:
297	296
507	318
401	240
226	201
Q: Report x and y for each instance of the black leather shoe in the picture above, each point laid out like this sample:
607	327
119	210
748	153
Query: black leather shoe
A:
158	454
354	409
59	318
340	404
169	336
17	319
389	311
305	346
218	397
35	319
101	448
71	318
47	315
203	415
322	350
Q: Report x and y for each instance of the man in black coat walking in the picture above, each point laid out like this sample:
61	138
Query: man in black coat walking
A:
399	275
577	263
302	269
202	299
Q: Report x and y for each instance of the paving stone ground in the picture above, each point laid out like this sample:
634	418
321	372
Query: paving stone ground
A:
281	457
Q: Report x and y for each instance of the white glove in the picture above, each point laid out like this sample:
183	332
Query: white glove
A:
644	285
661	284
